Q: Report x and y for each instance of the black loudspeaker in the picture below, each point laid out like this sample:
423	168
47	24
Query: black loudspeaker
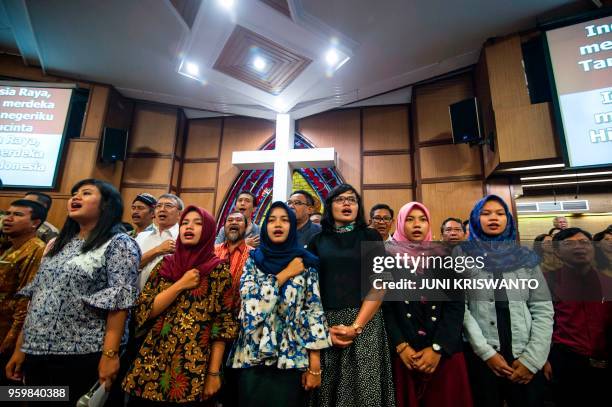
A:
114	145
465	122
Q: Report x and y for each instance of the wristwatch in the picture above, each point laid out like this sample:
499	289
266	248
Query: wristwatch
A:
436	348
110	353
358	328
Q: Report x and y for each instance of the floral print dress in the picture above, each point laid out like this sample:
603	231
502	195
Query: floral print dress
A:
279	324
172	363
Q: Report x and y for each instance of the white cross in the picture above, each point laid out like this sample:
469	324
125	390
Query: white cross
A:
284	158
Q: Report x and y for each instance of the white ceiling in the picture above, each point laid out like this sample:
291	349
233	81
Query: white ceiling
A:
138	45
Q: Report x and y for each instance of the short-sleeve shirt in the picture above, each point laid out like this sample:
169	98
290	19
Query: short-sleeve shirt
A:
72	293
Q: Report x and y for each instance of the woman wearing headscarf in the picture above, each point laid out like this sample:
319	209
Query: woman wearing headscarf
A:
357	369
509	330
283	327
187	301
429	368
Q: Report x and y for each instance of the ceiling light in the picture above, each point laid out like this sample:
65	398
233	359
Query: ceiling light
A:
259	63
534	167
228	4
334	58
582	174
552	184
331	57
192	69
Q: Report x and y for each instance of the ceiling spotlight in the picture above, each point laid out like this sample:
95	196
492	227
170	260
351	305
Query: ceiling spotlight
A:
192	69
332	57
226	3
259	63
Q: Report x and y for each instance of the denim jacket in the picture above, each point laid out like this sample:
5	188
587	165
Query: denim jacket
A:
531	316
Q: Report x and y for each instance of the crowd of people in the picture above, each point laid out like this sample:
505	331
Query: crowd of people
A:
172	312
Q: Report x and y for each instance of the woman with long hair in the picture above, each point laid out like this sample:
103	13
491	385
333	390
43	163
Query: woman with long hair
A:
283	327
509	331
429	368
187	301
80	297
357	369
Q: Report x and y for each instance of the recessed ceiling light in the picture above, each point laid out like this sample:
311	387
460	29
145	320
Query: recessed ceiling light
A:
226	3
259	63
331	57
192	69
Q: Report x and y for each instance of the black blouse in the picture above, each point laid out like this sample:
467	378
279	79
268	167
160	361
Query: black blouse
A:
423	323
340	272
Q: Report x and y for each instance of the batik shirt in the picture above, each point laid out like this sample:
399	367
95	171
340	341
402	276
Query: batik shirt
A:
172	363
17	269
279	324
72	293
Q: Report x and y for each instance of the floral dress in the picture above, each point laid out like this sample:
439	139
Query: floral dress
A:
172	363
279	324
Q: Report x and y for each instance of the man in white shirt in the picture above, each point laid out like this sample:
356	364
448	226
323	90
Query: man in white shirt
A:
160	241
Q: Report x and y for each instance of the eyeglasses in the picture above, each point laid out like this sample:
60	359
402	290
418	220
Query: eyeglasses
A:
457	230
381	219
165	205
345	199
295	203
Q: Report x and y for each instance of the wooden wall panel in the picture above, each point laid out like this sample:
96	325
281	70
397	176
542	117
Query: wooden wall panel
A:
531	226
199	175
501	187
175	173
239	134
386	128
599	202
153	129
96	111
147	171
202	199
387	169
78	164
450	199
395	198
525	133
128	194
506	74
432	118
339	129
203	138
449	160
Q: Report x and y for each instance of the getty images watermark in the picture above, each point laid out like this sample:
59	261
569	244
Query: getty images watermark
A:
493	271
